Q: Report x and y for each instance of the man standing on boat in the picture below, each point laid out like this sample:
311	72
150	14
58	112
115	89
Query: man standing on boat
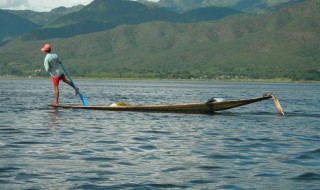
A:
52	65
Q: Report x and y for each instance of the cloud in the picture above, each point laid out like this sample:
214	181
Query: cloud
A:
47	5
14	4
40	5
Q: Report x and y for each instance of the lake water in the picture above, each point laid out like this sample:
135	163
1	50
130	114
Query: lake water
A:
250	147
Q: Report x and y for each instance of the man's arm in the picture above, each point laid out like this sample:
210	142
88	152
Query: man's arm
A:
46	65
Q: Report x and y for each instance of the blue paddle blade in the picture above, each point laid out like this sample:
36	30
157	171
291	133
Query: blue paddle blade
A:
83	99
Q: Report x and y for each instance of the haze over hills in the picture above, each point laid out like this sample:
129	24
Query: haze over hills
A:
284	43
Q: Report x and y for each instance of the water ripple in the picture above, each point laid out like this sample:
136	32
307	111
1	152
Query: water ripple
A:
307	177
249	147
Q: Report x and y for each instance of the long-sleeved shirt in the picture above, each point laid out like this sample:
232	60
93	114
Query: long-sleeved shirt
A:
52	65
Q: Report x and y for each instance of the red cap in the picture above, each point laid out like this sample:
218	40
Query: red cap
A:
46	48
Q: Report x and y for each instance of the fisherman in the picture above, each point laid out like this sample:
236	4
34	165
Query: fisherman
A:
52	65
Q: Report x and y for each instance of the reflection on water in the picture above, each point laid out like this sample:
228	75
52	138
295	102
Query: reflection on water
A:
244	148
54	115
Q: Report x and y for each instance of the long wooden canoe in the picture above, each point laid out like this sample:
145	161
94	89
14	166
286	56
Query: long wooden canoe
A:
200	107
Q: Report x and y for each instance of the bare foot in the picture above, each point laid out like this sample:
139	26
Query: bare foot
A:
77	90
54	103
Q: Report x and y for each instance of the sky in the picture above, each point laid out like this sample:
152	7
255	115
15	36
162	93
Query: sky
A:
41	5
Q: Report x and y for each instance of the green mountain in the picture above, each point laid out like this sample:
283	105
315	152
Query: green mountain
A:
103	15
240	5
65	10
46	18
284	43
209	13
14	21
38	18
12	26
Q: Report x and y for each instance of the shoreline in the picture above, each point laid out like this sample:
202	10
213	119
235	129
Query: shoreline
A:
276	80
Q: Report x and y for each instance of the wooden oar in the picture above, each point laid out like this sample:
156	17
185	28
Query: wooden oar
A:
83	99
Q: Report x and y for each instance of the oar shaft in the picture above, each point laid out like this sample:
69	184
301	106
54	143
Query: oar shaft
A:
66	72
83	99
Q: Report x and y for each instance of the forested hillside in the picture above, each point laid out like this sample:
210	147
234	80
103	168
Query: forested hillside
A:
12	26
281	44
240	5
103	15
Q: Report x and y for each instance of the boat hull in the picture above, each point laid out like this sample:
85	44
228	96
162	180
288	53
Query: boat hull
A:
207	108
